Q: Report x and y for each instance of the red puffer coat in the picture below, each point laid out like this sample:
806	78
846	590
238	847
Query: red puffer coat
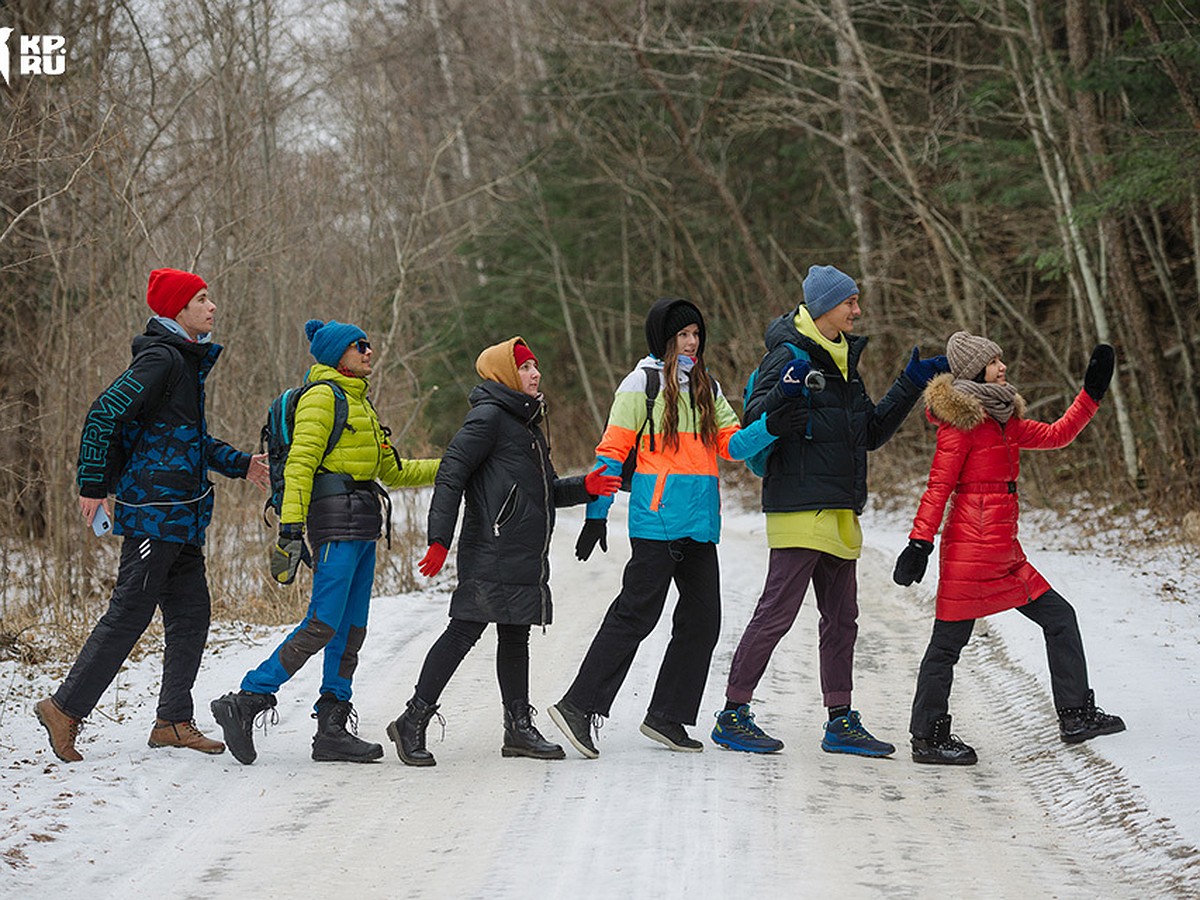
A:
983	569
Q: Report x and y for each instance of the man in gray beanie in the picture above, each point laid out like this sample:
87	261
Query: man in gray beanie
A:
814	489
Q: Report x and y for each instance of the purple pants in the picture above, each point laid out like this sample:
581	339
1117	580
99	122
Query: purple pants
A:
789	572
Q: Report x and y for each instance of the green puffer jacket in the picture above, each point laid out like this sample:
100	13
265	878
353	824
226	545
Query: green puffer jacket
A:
362	454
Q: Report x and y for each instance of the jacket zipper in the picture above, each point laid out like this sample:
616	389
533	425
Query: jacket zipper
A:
545	574
501	518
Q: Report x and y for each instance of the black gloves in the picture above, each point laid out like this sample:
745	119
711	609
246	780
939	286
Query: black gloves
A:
1099	372
594	531
287	553
910	566
791	418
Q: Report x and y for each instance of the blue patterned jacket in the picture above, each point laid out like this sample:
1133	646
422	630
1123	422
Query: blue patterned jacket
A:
146	441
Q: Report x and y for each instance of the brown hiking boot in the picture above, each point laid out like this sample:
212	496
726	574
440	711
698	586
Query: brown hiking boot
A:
61	728
183	734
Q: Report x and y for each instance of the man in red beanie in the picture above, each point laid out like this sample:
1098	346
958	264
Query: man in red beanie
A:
146	442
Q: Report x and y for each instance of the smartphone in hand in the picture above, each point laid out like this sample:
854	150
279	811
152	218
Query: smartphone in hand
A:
101	523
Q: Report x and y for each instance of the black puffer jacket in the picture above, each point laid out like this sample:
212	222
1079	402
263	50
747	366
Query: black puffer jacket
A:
500	460
829	469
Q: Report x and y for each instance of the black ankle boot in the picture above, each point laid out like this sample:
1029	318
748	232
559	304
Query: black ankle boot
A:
408	733
942	747
332	742
1086	722
521	737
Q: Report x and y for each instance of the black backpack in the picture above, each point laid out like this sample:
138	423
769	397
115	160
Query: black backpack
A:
277	433
630	464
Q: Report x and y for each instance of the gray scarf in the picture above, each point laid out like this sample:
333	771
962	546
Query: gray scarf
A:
999	400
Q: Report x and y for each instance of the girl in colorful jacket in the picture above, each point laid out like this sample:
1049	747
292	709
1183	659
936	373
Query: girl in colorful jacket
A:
983	570
500	462
674	526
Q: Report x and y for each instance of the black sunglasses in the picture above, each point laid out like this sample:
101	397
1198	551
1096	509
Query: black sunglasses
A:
362	345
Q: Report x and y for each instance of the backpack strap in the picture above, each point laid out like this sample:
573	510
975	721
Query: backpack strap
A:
341	413
652	380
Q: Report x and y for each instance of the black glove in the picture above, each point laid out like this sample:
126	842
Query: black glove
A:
1099	372
791	418
910	566
287	553
594	531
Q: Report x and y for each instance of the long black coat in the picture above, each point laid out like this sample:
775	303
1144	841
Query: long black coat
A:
500	461
829	469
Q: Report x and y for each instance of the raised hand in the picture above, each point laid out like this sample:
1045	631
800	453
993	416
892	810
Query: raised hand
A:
1099	371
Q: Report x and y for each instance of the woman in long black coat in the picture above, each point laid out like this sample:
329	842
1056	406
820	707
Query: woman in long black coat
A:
500	461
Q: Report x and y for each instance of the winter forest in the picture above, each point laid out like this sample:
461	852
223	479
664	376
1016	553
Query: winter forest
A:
449	173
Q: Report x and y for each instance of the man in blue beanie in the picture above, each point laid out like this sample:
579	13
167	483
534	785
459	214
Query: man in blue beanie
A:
334	491
814	490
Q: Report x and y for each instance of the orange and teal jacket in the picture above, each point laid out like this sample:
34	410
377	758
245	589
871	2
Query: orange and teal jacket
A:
674	493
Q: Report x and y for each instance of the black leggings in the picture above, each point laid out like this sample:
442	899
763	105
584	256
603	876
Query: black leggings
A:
1064	652
512	659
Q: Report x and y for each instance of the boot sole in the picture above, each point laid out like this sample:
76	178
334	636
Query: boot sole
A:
558	719
667	742
857	751
229	724
393	734
514	752
1079	739
742	748
215	752
50	737
333	757
970	761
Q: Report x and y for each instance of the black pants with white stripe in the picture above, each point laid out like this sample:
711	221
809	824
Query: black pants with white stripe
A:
152	574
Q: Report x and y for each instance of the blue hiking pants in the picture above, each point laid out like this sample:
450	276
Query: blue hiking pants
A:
336	622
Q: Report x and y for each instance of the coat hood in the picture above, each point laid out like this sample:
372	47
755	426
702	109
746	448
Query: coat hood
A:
958	408
498	363
516	403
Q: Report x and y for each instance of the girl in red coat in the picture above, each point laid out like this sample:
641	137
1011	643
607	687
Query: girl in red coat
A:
983	570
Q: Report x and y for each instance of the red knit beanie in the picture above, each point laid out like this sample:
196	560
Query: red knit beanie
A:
170	290
522	354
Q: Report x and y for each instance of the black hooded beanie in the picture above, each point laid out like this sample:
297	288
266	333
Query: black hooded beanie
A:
666	318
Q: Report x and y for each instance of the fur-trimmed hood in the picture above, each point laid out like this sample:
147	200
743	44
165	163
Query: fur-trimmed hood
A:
943	403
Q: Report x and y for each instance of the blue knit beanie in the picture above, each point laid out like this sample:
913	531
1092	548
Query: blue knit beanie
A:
825	287
329	340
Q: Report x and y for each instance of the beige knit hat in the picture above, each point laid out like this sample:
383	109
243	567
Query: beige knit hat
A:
969	355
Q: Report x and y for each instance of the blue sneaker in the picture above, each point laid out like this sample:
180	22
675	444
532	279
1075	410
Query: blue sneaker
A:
847	735
735	730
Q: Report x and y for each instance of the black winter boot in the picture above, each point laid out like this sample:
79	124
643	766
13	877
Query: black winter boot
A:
235	713
1086	722
333	742
942	747
408	732
521	737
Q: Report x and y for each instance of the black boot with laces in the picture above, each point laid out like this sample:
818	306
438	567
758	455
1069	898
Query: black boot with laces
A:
333	742
1083	723
521	737
941	747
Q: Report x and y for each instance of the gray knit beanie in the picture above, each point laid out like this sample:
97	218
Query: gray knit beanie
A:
969	354
825	287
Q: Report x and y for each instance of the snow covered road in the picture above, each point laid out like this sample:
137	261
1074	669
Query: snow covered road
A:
1035	818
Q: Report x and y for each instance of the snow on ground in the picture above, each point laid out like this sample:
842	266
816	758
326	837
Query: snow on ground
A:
1117	817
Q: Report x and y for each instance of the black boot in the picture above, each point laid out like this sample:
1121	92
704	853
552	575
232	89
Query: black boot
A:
1086	722
408	733
942	747
332	742
521	737
235	713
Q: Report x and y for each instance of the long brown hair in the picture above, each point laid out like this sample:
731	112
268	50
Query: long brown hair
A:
701	393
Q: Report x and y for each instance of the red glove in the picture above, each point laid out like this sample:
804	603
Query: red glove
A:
600	485
434	559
